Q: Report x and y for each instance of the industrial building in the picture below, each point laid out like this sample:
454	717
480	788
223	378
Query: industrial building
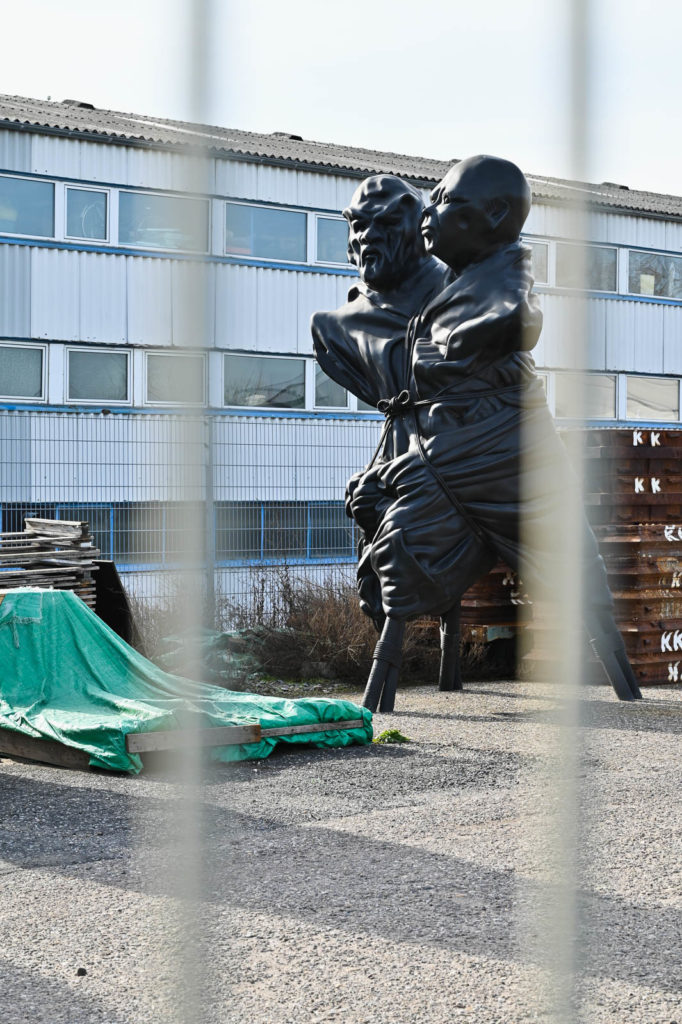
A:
158	279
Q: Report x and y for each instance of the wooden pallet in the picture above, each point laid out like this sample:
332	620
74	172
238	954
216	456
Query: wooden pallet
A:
15	744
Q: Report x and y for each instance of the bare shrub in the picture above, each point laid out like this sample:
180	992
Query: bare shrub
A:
307	629
296	628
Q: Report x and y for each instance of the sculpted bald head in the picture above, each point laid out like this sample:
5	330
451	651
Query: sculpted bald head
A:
481	204
384	241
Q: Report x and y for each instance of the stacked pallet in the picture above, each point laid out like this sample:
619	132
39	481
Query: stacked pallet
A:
56	554
634	503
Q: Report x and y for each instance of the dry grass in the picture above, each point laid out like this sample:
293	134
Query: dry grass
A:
298	629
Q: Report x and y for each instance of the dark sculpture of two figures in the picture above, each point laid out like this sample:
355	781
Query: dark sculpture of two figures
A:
436	334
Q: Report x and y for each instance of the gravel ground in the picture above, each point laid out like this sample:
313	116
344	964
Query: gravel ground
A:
383	884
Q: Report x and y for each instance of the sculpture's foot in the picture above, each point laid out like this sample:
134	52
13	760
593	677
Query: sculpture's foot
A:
383	678
450	675
608	645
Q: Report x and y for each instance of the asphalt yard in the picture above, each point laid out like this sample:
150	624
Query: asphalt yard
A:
421	882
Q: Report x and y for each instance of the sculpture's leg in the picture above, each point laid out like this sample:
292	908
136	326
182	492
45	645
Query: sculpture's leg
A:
383	678
607	644
387	703
450	677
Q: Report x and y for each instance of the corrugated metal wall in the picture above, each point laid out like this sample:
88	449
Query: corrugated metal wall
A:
62	295
289	459
132	457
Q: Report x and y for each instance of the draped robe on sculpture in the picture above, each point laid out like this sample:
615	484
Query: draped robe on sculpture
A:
478	452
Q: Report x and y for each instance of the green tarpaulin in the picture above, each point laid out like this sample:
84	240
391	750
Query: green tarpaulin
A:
66	676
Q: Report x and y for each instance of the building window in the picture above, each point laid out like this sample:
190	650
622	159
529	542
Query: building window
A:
365	406
329	394
592	395
590	267
651	273
653	398
331	531
175	379
239	527
539	261
285	530
332	240
97	376
162	222
264	381
266	232
257	531
86	213
26	206
21	372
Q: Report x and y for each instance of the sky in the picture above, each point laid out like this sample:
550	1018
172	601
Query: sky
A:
435	78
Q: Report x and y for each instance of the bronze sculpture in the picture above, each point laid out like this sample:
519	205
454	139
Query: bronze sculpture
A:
362	344
440	507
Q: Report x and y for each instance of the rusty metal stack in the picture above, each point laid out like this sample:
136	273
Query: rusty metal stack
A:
634	502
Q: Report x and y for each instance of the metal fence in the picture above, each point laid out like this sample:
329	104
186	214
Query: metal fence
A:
264	494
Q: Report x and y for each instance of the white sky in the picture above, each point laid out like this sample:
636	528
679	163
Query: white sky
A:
435	78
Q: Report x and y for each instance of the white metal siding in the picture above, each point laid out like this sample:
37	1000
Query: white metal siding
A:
634	337
52	154
90	458
102	298
148	285
55	294
15	291
100	161
15	151
193	303
315	292
277	311
283	185
236	306
273	459
672	339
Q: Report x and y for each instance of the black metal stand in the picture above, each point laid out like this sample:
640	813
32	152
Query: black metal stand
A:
608	646
450	676
383	678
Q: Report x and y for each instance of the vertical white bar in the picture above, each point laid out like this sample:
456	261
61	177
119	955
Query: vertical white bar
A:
557	846
192	469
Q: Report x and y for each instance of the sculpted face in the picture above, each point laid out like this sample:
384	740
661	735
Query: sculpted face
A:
384	240
481	204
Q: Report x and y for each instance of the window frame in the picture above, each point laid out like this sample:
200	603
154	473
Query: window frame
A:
175	355
107	227
587	245
650	376
111	350
163	195
326	408
43	372
44	181
613	375
529	241
316	218
643	295
269	554
266	355
273	207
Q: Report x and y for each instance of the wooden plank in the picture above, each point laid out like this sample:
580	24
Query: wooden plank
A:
290	730
175	739
225	736
63	529
15	744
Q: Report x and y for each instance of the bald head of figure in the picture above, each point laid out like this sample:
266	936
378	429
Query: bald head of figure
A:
384	239
481	204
